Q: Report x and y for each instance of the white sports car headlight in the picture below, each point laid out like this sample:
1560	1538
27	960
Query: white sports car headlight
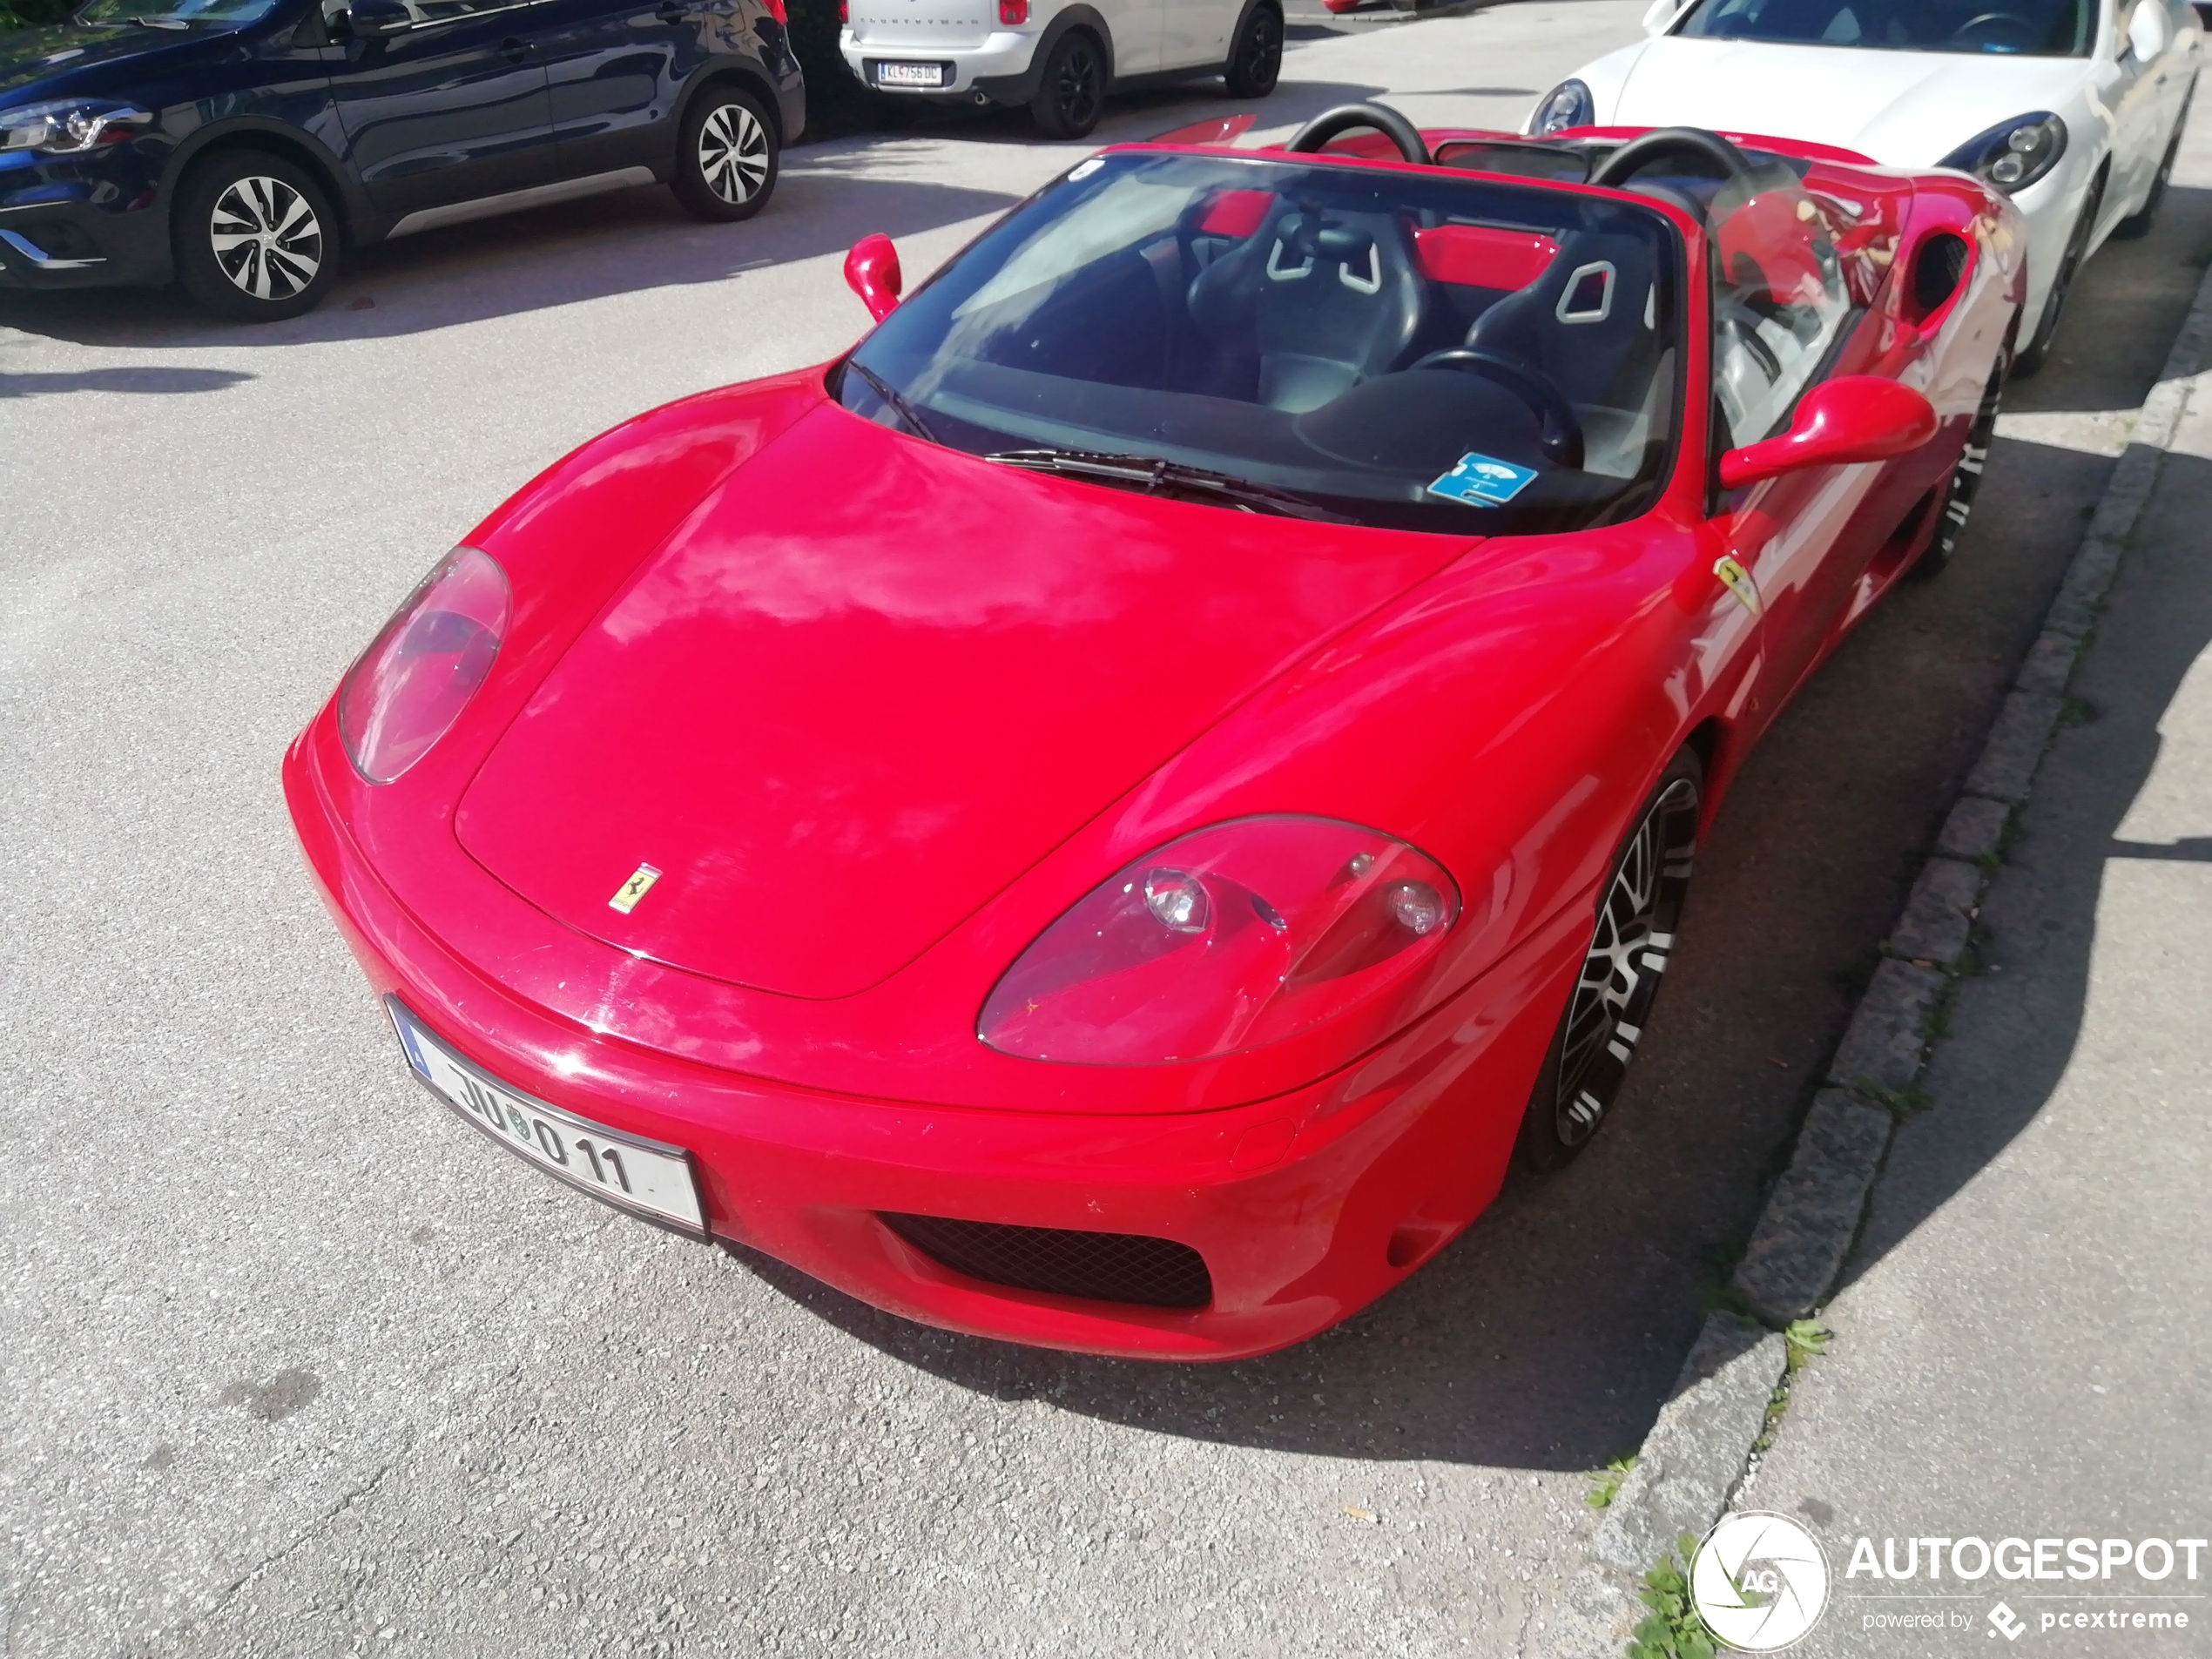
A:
1567	104
2013	154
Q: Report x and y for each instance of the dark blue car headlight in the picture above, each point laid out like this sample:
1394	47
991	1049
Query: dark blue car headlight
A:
69	127
2013	154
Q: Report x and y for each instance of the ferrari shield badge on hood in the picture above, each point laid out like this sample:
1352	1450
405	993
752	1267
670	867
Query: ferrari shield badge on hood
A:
640	883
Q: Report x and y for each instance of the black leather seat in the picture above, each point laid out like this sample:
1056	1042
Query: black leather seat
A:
1326	302
1589	325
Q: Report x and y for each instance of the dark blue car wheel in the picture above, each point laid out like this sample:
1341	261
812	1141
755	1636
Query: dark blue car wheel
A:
256	240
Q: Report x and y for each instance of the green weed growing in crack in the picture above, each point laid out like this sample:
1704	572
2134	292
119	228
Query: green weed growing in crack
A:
1804	1338
1974	961
1672	1630
1605	1483
2078	711
1902	1103
1801	1340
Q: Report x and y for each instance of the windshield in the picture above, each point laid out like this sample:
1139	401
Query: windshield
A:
1424	352
174	11
2038	28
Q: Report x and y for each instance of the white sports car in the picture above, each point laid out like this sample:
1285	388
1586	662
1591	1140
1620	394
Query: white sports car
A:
2073	108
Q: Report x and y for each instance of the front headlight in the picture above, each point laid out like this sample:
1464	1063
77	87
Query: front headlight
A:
68	126
411	684
2013	154
1567	104
1229	938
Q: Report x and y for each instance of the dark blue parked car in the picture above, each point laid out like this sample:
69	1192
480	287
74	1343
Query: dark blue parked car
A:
239	146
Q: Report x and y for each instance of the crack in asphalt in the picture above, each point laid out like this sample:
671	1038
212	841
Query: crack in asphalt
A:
307	1534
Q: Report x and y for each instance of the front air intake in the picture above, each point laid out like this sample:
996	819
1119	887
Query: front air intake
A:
1102	1267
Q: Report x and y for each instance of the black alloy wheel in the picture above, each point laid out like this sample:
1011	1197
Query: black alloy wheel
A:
1072	95
1639	910
1256	58
1966	480
2037	350
255	237
726	156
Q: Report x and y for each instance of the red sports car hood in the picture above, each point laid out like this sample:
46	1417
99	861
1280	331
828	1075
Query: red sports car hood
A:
869	682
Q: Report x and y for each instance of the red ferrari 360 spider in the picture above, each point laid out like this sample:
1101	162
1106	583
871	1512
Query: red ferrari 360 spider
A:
1104	816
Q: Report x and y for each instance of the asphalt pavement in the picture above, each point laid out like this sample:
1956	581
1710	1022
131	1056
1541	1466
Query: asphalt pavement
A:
298	1365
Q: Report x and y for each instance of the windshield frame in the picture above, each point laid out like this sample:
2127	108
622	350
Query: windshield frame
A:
1672	245
2089	24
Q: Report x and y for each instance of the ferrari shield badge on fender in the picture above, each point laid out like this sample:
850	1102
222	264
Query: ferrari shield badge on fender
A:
640	883
1737	581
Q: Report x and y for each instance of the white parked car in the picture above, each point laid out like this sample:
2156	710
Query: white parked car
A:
2073	108
1059	59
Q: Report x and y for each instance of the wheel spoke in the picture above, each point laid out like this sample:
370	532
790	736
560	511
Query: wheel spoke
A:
297	271
294	214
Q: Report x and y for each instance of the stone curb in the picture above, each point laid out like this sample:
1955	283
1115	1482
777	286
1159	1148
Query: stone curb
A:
1700	1450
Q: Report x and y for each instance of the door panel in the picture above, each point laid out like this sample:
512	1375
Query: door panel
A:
1136	26
614	71
451	110
2139	104
1196	31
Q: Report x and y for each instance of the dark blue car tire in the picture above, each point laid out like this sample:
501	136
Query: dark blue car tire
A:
256	238
726	155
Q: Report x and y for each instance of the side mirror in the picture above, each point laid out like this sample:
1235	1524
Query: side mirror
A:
2146	36
871	272
1854	418
368	19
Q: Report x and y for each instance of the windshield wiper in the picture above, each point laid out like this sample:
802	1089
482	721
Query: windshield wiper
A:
896	401
1154	476
159	22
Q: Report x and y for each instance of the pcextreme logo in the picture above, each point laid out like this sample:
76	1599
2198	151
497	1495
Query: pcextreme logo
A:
1759	1581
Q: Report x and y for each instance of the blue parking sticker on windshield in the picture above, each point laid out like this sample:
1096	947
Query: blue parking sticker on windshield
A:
1479	480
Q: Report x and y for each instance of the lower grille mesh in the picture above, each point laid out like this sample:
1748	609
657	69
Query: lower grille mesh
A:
1105	1267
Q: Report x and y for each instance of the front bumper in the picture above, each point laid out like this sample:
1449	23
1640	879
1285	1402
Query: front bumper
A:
1305	1207
1003	69
70	245
83	222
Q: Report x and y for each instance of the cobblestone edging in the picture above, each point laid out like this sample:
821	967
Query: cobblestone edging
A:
1703	1444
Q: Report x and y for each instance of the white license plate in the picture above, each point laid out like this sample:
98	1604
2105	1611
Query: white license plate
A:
909	74
649	1178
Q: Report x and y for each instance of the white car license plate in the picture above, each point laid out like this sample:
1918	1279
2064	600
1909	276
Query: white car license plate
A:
649	1178
909	74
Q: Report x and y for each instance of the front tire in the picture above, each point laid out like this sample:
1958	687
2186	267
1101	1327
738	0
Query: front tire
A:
1256	58
256	240
1072	95
1966	481
727	159
1639	911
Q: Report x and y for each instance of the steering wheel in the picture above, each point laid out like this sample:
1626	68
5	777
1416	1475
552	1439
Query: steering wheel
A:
1350	118
1673	144
1561	427
2020	26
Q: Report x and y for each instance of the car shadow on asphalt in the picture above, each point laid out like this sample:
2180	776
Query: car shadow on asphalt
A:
2018	1015
1548	1334
633	241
